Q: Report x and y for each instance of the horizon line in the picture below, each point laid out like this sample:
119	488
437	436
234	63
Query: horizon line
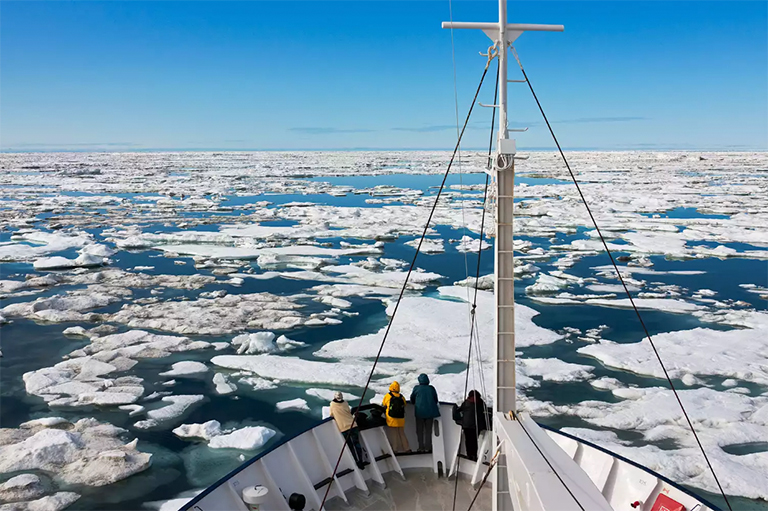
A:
96	149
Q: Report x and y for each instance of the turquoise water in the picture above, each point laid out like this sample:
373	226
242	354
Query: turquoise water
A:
180	465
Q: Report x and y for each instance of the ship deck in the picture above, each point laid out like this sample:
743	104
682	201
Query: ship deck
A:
421	490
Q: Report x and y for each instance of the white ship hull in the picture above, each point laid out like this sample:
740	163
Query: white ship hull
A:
597	478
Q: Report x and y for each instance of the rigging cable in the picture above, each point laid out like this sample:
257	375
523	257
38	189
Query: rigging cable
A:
626	290
405	283
473	319
456	109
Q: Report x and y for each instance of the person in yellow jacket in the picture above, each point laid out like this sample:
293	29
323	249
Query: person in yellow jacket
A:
394	405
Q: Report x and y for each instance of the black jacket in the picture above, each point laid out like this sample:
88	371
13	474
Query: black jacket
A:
473	415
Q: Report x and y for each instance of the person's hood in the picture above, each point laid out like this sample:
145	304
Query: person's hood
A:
423	379
395	387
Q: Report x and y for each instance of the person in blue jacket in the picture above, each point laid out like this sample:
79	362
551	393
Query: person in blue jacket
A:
426	405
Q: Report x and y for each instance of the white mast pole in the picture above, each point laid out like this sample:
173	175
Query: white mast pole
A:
504	290
503	171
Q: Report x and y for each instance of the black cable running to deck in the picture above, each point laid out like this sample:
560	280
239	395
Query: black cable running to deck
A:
477	278
626	290
407	276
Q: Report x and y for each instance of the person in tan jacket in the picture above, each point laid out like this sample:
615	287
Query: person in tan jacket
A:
342	414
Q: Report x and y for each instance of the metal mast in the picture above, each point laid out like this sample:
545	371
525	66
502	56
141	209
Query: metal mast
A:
503	170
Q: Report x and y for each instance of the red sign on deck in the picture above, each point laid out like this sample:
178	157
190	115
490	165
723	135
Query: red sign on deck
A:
664	503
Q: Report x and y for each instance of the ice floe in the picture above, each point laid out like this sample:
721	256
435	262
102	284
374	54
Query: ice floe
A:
186	368
214	316
293	404
223	385
86	452
264	342
177	406
246	439
697	352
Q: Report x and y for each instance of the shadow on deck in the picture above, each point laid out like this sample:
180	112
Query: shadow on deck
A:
422	490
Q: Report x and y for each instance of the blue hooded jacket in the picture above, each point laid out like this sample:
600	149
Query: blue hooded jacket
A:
424	399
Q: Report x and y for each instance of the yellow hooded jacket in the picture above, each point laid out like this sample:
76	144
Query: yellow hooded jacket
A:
394	390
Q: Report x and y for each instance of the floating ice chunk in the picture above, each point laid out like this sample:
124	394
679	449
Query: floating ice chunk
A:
186	368
334	302
47	422
61	308
132	409
662	304
247	439
425	322
429	246
686	353
55	502
80	382
257	383
552	369
214	316
48	243
295	369
98	250
293	404
22	487
84	260
394	279
611	288
264	342
223	385
547	284
606	383
486	282
75	330
206	430
327	394
177	406
744	318
469	244
75	452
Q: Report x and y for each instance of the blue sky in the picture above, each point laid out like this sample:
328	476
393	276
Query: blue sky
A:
376	74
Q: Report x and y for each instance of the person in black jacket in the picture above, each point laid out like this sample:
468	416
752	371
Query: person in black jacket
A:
473	421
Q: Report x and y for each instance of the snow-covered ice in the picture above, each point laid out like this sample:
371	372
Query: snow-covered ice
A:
293	404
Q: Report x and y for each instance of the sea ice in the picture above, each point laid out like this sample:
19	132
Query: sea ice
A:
700	352
264	342
327	394
429	246
214	316
85	452
206	431
293	404
186	368
469	244
246	439
84	260
223	385
177	406
55	502
296	369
